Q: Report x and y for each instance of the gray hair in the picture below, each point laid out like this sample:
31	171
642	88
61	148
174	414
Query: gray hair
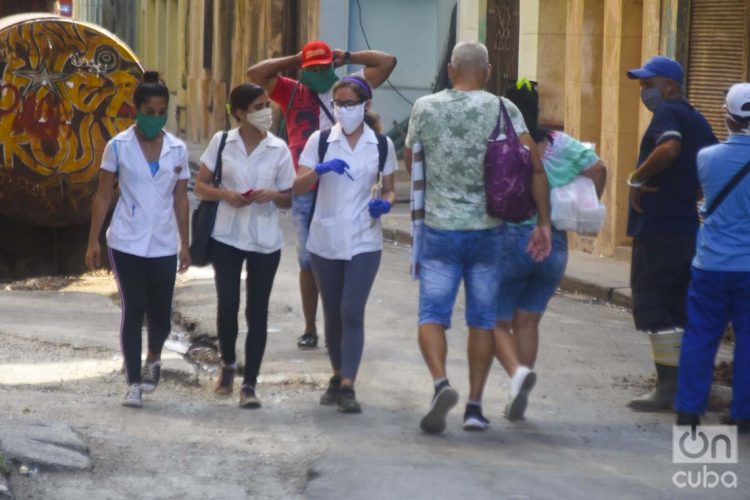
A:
469	55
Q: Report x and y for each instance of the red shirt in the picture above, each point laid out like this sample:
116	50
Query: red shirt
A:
303	116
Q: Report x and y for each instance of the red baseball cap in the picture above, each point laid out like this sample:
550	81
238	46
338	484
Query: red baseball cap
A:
315	53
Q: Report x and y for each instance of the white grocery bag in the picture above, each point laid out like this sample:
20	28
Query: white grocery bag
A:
575	207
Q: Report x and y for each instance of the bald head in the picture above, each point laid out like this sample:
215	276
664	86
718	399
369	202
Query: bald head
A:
469	68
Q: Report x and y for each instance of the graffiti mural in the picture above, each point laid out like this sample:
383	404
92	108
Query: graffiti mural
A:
66	88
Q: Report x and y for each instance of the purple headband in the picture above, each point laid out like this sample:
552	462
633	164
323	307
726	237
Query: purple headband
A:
359	81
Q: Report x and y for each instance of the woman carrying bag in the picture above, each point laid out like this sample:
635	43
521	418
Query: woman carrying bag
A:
150	166
256	181
527	285
354	168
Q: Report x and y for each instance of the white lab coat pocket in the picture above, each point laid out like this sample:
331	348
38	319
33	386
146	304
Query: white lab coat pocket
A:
330	238
224	219
267	224
123	225
367	231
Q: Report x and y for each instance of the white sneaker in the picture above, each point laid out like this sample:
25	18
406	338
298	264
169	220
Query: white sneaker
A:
520	386
134	397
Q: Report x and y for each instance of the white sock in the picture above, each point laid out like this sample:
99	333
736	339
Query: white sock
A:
439	381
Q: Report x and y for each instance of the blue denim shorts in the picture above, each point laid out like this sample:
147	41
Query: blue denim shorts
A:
301	209
525	284
449	257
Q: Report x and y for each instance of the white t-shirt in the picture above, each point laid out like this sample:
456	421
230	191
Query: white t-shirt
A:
254	228
341	226
144	222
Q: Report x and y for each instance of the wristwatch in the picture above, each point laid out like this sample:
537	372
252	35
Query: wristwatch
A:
634	181
347	57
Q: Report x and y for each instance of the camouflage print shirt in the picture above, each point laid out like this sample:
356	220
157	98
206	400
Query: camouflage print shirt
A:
453	128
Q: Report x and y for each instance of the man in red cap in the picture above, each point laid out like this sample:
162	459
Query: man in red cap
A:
306	105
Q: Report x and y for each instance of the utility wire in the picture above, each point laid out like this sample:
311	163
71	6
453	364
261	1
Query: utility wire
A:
367	43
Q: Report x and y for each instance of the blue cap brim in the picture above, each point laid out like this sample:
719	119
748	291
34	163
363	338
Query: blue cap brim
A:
637	74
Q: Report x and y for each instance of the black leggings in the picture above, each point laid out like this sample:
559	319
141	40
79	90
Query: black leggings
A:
261	270
344	288
146	287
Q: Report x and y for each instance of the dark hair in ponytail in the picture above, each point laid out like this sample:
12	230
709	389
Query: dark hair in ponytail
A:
526	98
242	96
151	86
362	89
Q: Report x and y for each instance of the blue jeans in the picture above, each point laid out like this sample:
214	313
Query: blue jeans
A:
301	212
525	284
714	299
449	257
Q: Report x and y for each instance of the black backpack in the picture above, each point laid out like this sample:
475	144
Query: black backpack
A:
323	148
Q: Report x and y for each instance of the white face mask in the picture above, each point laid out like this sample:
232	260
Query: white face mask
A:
262	119
351	118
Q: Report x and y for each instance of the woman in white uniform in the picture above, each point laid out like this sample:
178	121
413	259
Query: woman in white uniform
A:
257	176
355	187
150	166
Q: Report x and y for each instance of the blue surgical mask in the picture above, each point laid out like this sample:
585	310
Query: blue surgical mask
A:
651	98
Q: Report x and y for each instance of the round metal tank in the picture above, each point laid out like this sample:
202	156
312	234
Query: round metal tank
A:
66	88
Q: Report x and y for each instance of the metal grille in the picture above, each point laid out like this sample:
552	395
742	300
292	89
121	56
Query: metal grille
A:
502	43
717	55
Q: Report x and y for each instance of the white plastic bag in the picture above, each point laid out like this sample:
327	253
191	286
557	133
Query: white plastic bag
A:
575	207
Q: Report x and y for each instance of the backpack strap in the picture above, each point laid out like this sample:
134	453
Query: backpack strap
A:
323	107
322	150
323	144
382	151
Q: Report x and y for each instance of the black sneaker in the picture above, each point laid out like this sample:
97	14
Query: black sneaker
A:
474	420
225	383
248	398
690	419
307	341
444	400
347	401
331	396
150	376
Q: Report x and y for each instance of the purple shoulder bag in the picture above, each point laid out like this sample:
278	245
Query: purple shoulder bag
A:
507	174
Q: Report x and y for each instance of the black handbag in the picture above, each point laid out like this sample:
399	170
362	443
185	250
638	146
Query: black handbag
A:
204	217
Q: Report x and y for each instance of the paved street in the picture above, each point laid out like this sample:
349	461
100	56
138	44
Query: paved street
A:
578	441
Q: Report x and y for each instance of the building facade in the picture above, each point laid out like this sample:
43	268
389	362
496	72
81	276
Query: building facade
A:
579	52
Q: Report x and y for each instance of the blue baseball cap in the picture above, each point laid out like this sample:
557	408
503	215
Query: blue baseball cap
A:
659	66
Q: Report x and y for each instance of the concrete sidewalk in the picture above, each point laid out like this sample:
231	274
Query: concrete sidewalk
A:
598	277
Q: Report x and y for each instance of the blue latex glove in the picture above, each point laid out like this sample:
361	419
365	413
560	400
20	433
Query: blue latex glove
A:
379	207
335	165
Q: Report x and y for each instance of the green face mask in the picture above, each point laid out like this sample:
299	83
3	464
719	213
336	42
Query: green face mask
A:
150	125
319	81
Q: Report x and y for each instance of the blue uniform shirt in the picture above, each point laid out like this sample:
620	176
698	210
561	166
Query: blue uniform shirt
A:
724	238
672	210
